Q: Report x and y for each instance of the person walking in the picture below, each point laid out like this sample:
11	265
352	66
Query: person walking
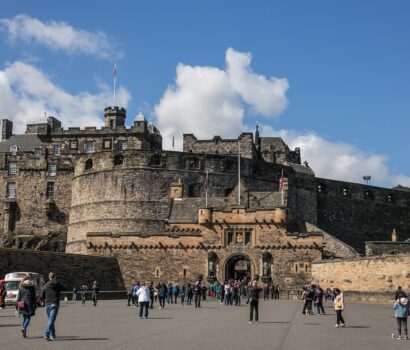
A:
339	307
162	293
401	311
83	291
129	295
74	298
144	299
51	296
134	293
94	294
253	301
26	302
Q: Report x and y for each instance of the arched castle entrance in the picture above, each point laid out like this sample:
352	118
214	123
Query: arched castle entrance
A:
238	267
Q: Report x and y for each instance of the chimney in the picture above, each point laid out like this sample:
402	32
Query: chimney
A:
6	129
394	236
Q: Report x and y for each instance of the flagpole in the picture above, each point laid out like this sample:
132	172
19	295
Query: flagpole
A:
114	73
282	185
206	189
239	173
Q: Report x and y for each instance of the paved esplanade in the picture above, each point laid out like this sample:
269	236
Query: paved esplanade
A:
113	325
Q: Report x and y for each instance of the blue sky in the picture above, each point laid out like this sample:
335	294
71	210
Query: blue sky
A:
341	73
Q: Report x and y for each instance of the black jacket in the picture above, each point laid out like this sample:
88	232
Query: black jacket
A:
51	292
254	293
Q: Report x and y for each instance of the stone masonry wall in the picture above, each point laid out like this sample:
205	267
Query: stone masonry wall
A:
357	213
372	274
72	269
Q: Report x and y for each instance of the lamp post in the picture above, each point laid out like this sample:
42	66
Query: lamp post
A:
367	178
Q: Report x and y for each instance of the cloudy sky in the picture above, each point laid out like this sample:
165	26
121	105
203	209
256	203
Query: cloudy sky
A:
330	79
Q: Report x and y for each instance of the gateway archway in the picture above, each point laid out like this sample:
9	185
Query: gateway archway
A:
238	267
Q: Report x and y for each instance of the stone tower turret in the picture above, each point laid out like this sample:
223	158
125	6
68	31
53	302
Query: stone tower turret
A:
114	117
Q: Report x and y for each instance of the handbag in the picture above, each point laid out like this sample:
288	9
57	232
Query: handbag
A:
20	304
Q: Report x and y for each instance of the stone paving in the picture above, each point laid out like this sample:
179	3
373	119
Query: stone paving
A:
113	325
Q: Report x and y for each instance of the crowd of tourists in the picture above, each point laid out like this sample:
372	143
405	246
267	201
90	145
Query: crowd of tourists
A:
230	293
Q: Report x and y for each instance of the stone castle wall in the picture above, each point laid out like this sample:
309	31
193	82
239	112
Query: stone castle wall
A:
356	213
372	274
72	270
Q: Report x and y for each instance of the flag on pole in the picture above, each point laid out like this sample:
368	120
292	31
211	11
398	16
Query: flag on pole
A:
281	182
173	141
114	71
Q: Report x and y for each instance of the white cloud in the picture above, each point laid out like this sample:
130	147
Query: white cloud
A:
337	160
58	36
26	93
265	96
209	101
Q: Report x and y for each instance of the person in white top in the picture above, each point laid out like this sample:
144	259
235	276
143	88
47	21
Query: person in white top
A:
144	298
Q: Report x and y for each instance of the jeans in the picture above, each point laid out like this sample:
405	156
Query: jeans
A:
319	306
339	317
254	306
144	305
95	298
52	312
26	321
161	301
401	321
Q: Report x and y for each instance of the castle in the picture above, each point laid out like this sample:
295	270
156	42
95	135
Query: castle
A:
221	209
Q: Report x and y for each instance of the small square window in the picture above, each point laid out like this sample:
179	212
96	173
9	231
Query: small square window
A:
50	190
36	152
107	144
11	190
57	150
73	144
89	147
52	170
13	150
12	168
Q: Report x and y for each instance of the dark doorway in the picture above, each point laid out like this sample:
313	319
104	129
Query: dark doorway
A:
238	267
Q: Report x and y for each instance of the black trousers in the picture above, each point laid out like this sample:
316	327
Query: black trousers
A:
339	317
254	305
197	300
401	323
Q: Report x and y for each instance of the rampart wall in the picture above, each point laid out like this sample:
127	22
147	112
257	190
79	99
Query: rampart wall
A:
72	270
356	213
380	274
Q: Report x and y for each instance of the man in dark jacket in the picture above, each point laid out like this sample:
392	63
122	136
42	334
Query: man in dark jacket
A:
253	300
197	290
51	297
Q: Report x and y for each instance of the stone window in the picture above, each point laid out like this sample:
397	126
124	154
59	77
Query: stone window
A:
238	237
107	144
156	160
52	169
50	190
11	190
228	191
89	147
57	150
321	188
13	150
389	198
122	145
184	273
88	164
193	163
12	168
345	192
73	144
368	194
36	152
119	159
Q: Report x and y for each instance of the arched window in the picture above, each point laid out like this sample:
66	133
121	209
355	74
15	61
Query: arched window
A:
88	164
118	159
